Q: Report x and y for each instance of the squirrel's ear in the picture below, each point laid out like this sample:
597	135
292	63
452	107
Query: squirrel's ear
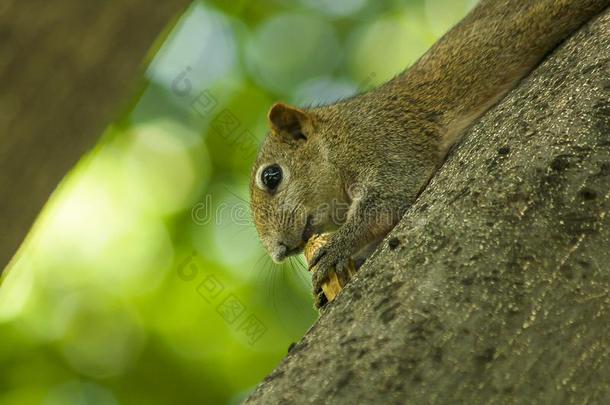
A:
287	120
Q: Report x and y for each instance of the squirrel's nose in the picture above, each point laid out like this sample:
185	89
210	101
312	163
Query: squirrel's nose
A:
280	252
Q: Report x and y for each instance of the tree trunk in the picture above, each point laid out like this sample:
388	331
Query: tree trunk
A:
495	287
64	68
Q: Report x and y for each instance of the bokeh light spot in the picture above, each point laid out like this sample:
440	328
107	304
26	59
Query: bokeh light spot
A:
385	47
203	42
290	48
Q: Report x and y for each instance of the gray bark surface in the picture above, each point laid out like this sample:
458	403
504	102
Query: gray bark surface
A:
497	288
65	67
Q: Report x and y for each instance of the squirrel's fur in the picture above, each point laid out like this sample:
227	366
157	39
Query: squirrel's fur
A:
355	166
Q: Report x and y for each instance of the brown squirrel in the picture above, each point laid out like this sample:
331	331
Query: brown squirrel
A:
356	166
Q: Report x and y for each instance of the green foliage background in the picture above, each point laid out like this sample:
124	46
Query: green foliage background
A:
143	281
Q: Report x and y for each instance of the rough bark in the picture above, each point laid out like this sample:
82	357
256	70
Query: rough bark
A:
64	68
497	287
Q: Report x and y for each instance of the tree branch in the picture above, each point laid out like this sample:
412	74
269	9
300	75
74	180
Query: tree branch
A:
64	70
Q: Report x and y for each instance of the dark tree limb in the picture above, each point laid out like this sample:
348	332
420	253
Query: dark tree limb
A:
497	289
65	67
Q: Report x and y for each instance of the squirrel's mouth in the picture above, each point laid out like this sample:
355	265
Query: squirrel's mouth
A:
282	252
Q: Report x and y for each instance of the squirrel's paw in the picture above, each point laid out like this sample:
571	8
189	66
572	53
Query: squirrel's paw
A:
325	261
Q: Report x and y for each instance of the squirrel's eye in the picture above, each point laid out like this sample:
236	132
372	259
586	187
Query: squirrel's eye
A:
271	177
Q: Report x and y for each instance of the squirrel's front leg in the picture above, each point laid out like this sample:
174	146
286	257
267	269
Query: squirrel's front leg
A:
369	219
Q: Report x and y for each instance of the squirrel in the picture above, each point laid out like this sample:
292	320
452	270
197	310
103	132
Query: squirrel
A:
355	166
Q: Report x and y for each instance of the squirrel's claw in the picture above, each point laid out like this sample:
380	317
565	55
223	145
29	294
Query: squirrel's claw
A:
320	275
319	299
325	262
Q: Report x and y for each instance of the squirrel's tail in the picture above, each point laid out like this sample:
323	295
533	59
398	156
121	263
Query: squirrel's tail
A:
488	52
